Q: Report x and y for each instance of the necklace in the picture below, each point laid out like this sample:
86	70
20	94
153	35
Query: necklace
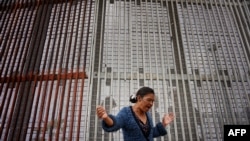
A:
141	117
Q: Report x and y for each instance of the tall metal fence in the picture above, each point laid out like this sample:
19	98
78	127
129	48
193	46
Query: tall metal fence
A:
59	59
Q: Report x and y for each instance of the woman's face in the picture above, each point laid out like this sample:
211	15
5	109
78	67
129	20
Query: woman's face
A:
146	102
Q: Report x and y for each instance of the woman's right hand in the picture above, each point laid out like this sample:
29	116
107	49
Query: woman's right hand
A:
101	112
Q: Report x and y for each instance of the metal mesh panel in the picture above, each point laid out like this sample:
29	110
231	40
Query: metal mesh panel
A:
60	59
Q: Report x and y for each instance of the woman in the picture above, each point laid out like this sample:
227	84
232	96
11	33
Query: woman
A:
135	121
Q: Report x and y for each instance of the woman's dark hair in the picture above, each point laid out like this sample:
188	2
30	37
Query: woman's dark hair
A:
141	92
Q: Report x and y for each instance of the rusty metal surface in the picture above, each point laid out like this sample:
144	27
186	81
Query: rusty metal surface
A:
35	91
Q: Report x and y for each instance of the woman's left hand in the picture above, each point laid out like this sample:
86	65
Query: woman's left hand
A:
168	118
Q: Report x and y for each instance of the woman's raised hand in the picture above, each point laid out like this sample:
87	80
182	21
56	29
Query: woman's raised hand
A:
101	112
168	118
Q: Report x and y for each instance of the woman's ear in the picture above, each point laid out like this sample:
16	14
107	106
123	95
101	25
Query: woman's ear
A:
139	98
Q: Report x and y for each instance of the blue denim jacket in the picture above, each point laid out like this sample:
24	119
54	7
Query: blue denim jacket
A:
131	131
